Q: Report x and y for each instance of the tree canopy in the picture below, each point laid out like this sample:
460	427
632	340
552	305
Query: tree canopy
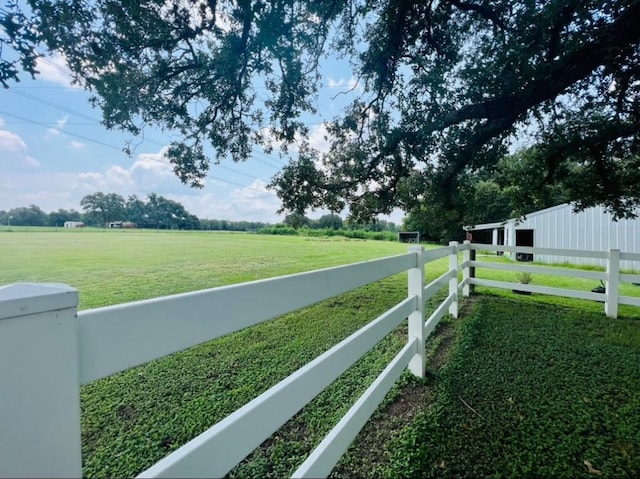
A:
448	89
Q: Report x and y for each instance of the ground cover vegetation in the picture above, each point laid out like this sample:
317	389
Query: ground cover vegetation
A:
546	387
445	90
530	390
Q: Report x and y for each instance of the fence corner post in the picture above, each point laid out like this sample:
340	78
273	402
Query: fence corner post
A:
39	375
416	319
612	284
453	281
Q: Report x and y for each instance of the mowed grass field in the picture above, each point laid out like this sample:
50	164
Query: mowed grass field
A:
516	387
116	266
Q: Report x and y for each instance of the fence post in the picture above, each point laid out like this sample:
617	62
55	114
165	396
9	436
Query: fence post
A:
611	286
416	319
39	381
453	282
466	271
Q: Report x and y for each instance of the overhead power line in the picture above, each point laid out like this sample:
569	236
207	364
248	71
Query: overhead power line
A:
44	125
54	105
236	171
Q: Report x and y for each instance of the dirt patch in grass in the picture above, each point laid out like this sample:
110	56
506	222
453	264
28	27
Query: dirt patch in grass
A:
367	455
439	355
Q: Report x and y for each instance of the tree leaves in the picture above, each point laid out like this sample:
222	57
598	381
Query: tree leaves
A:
448	89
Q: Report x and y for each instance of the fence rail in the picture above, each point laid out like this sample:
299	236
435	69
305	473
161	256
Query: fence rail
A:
611	277
48	350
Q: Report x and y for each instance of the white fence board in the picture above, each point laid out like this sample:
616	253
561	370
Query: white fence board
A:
436	285
436	253
116	338
431	323
216	451
629	300
538	289
571	273
324	457
630	256
630	278
541	251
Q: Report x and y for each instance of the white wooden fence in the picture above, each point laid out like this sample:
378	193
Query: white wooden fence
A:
48	350
611	277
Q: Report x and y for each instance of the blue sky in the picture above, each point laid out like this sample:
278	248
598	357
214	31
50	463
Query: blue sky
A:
53	152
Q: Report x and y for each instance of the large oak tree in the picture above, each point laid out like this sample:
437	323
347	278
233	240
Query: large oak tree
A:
449	87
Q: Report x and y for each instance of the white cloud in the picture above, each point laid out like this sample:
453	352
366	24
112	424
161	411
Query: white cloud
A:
319	138
32	162
254	201
51	132
255	191
10	141
55	70
250	203
349	84
57	130
49	191
61	123
119	178
150	172
155	164
89	182
77	145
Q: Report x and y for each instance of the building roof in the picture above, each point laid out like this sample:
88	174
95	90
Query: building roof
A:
501	224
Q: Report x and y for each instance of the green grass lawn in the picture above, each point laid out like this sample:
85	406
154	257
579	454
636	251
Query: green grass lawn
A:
551	386
531	390
117	266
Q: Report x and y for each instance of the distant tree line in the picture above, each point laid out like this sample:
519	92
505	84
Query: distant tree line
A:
335	222
154	212
158	212
99	209
333	225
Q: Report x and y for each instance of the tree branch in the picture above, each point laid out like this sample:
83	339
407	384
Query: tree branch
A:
574	67
484	12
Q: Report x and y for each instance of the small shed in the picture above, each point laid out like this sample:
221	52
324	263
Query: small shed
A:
73	224
409	236
560	227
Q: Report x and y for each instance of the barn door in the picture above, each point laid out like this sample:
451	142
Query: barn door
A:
524	238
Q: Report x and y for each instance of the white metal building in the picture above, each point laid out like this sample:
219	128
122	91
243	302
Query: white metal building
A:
559	227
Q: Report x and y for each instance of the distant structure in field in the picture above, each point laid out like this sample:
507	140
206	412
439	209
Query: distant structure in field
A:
73	224
121	224
409	236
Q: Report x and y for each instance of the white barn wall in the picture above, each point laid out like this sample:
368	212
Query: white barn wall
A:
559	227
592	230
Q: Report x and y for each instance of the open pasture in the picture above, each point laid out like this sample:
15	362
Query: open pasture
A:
117	266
